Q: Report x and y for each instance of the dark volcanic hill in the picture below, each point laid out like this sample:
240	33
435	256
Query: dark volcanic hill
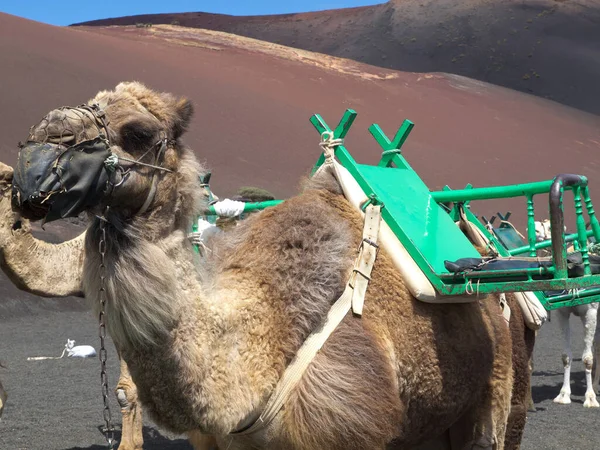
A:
253	101
550	48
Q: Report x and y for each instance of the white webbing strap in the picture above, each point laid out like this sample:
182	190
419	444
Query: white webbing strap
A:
361	275
505	307
293	373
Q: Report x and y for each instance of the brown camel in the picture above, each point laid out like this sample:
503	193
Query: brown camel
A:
206	344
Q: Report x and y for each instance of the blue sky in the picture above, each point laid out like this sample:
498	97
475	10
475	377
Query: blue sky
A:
65	12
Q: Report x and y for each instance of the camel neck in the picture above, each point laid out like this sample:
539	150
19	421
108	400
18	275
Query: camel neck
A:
169	330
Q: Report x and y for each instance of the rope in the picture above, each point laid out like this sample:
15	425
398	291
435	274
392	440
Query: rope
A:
38	358
394	151
113	160
329	143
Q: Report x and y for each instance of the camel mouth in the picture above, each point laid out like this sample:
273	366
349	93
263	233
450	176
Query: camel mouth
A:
54	181
33	179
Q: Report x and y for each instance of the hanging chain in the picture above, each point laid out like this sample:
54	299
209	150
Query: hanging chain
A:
109	431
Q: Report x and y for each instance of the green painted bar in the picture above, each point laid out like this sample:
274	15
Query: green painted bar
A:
591	213
402	134
345	123
457	288
562	297
498	273
547	243
493	192
572	302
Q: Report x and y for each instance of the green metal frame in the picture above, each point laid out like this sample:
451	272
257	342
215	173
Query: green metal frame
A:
424	223
392	164
550	302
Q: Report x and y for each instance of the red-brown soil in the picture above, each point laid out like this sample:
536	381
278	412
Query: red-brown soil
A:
253	101
550	48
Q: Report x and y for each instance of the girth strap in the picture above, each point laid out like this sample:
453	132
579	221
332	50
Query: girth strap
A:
352	297
367	252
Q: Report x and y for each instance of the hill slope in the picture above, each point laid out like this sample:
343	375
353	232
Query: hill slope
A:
253	101
550	48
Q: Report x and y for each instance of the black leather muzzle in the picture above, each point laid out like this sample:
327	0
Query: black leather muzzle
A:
52	181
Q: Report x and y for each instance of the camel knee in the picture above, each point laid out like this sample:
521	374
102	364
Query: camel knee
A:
566	359
588	361
126	397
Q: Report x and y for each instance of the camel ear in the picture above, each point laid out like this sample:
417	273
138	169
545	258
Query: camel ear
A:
185	110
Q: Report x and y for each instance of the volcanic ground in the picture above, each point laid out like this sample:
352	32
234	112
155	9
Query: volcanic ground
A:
550	48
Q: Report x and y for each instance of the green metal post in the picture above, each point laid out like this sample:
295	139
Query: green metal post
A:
591	213
581	231
531	237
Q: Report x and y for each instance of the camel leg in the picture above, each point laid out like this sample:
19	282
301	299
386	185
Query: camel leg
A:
595	372
131	430
530	403
565	393
484	426
202	441
589	325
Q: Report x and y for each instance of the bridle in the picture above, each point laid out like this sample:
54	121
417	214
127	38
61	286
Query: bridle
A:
113	162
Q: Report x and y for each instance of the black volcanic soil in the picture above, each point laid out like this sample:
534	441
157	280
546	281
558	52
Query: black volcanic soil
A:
550	48
56	404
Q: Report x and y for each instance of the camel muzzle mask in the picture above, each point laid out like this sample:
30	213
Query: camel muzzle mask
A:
54	181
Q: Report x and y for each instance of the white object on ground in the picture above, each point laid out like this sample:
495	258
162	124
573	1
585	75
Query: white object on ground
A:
72	351
229	208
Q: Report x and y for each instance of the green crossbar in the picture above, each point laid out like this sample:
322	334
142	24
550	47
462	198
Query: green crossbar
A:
408	209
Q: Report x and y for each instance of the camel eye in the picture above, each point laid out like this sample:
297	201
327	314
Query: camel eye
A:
137	134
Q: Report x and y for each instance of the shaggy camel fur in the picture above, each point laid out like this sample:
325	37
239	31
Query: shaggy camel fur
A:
206	344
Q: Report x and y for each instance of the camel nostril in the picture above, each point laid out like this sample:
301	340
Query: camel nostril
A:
17	225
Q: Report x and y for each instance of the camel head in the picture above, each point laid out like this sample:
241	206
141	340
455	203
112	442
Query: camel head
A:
111	152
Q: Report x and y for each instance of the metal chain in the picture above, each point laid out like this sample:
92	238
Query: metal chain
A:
109	433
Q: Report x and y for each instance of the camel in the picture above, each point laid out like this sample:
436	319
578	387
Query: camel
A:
206	344
588	314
